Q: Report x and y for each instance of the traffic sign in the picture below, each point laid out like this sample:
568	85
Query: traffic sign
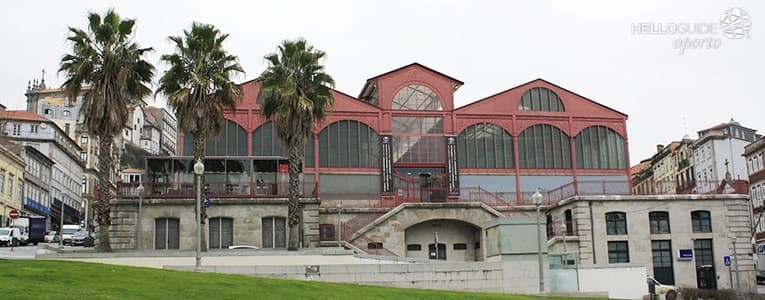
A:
726	260
14	214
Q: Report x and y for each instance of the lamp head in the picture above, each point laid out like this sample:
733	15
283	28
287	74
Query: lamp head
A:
199	167
537	198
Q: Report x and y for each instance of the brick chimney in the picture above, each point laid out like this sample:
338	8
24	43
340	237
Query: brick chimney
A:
659	147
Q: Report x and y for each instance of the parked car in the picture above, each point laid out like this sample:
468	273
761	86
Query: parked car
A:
669	291
68	231
78	238
10	236
51	237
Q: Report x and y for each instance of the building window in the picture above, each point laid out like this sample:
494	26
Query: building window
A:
544	146
348	144
416	97
569	219
65	113
460	246
221	233
618	252
265	142
327	232
600	147
2	182
374	245
84	139
662	261
437	252
541	99
34	128
274	232
166	233
418	139
16	129
659	222
230	141
701	221
485	145
414	247
616	223
47	111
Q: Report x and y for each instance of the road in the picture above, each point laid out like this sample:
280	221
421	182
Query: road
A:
21	252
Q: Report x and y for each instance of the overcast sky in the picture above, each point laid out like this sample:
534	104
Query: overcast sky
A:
589	47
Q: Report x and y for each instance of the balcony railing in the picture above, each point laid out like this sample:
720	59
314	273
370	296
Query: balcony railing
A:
215	189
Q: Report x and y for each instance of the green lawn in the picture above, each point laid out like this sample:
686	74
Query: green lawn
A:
43	279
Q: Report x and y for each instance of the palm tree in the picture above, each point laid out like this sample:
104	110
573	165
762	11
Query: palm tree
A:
107	60
297	94
198	86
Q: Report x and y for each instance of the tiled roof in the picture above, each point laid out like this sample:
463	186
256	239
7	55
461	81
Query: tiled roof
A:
22	115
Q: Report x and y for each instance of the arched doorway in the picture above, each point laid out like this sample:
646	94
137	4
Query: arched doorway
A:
446	239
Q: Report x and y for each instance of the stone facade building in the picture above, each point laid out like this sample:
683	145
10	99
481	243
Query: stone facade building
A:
754	155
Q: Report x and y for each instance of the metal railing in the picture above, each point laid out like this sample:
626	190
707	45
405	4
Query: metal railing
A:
215	189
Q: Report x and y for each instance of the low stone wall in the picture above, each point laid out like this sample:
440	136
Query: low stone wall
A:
475	276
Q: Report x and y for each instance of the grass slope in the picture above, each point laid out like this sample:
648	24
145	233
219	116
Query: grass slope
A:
41	279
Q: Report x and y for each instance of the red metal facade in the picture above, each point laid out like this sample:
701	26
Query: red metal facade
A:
501	109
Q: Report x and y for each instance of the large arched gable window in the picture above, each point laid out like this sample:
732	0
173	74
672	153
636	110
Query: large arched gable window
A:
348	144
416	97
541	99
265	142
544	146
600	147
485	145
230	141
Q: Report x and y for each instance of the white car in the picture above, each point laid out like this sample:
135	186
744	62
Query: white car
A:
669	291
10	236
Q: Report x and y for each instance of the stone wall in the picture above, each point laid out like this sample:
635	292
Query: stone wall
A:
491	277
729	215
247	217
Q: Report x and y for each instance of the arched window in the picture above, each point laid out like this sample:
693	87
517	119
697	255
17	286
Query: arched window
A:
221	232
540	99
544	146
600	147
485	145
230	141
701	221
265	142
348	144
616	223
416	97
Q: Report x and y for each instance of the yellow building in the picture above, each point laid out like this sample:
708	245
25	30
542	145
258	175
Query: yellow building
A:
11	182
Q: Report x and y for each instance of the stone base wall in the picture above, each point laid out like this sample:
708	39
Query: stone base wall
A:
490	277
247	217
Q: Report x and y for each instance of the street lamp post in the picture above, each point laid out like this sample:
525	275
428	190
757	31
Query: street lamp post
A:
732	236
199	169
339	226
537	198
565	253
139	232
61	227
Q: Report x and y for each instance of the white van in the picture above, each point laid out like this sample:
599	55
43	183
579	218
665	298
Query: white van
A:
67	233
10	236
